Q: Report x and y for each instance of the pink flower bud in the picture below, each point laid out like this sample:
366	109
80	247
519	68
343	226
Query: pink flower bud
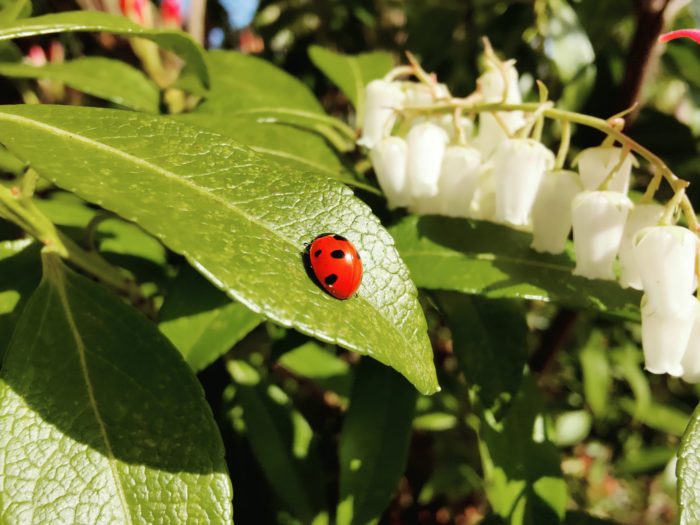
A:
170	13
36	56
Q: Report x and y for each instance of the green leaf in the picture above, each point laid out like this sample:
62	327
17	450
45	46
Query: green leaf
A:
19	275
281	440
319	364
523	478
182	44
9	163
374	442
201	321
495	261
489	338
100	77
351	73
688	470
11	10
664	418
241	84
92	391
597	377
240	221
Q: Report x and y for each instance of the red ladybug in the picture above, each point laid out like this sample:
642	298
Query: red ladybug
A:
336	265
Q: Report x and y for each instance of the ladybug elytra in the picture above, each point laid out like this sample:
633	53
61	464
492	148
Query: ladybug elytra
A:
336	265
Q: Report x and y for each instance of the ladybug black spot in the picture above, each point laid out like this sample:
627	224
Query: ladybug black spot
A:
332	278
317	253
337	254
339	237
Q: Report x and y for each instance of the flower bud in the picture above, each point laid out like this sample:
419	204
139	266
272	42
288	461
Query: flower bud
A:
518	168
484	201
665	336
381	100
665	257
459	176
426	144
36	56
691	356
642	216
170	13
389	163
494	83
595	164
598	219
419	94
551	213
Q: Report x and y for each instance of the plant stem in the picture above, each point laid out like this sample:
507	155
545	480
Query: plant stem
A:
600	124
20	209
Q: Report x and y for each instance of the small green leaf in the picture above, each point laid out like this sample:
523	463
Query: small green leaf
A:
495	261
688	470
523	478
374	442
664	418
19	275
100	77
281	440
240	221
178	42
351	73
597	377
489	338
91	390
201	321
319	364
243	83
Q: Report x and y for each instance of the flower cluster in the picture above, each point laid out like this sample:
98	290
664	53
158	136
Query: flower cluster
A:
432	159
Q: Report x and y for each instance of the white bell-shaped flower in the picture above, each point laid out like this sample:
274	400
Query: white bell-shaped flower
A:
598	220
665	257
498	85
426	144
665	336
389	162
491	133
642	216
691	356
518	168
595	164
459	176
483	205
419	94
551	213
382	98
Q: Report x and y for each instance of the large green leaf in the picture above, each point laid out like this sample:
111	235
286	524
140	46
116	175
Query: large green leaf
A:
281	440
11	10
201	321
374	443
688	470
19	275
101	77
490	341
495	261
195	72
247	101
240	220
351	73
101	421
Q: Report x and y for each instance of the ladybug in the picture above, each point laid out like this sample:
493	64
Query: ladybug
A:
336	265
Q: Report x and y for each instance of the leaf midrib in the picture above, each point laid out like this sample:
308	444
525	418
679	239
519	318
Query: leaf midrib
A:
59	285
174	176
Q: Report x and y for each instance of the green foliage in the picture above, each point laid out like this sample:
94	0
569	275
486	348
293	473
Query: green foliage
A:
371	462
195	75
689	471
191	200
143	436
99	77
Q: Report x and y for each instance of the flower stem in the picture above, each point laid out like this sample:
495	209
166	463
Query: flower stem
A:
563	145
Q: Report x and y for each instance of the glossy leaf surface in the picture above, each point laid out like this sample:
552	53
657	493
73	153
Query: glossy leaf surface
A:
240	220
